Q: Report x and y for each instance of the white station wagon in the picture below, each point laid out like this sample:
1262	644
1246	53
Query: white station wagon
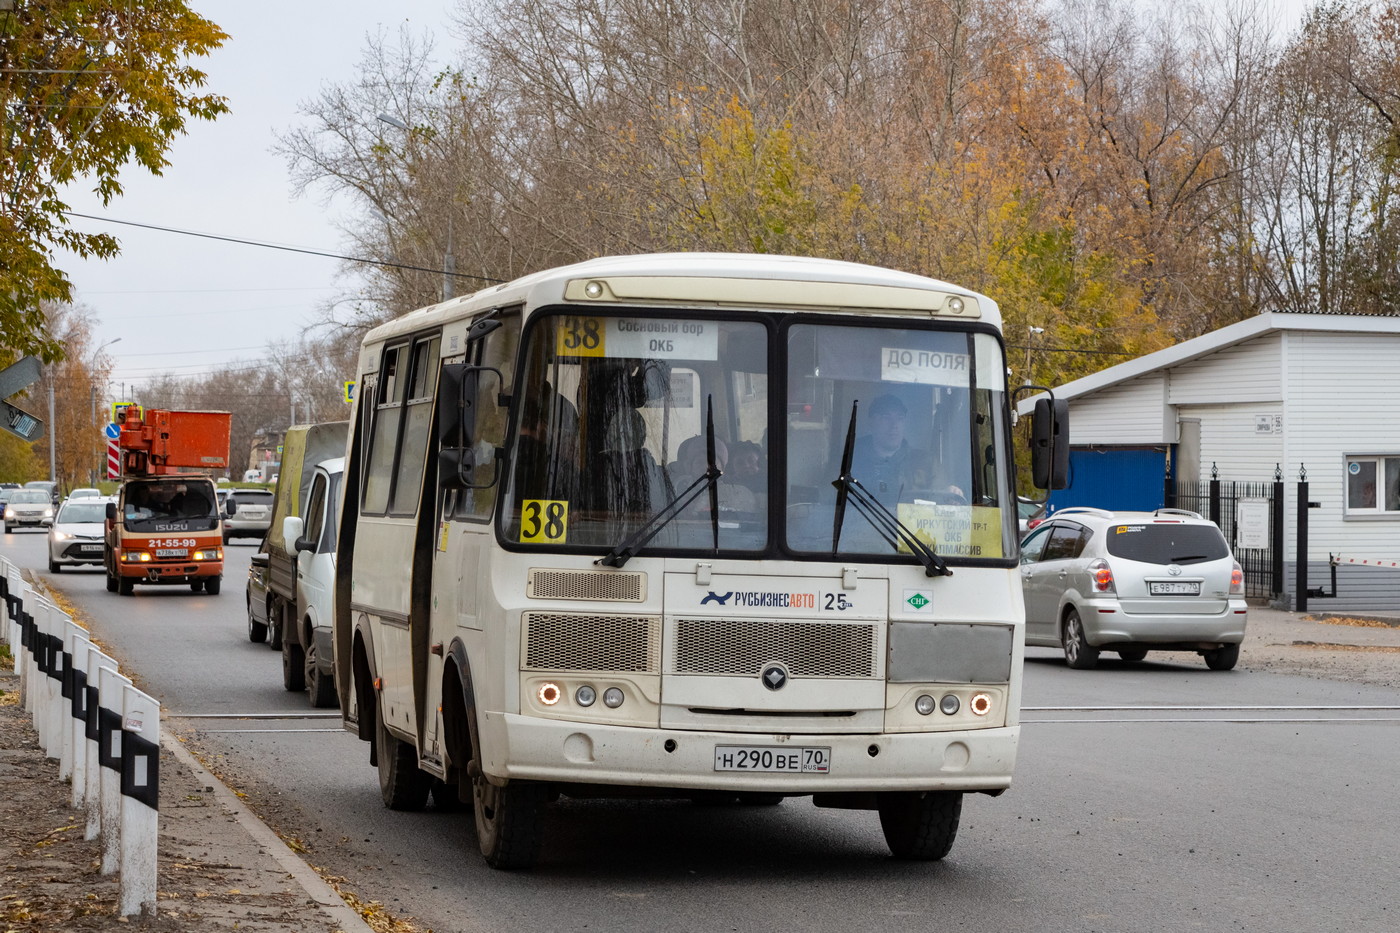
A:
1132	582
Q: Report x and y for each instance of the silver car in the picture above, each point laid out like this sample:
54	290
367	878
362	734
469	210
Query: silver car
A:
76	534
1132	582
247	513
31	508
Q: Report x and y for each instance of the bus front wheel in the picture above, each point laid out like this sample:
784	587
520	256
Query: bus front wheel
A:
508	821
920	825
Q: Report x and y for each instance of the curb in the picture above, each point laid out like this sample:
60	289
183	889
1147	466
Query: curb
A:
316	888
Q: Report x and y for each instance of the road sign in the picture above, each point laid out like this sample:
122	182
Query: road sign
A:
18	376
113	431
349	392
119	411
20	423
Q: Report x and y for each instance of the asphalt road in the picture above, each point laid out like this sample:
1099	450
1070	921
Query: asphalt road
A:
1160	796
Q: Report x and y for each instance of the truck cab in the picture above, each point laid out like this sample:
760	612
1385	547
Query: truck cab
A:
164	530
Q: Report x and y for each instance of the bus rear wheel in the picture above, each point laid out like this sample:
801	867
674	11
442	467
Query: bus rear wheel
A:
508	821
920	825
402	786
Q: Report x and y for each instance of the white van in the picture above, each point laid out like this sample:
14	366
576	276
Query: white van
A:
314	540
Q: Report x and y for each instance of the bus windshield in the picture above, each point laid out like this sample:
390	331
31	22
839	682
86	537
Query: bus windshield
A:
610	430
611	420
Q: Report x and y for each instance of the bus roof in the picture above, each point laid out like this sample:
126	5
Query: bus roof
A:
711	280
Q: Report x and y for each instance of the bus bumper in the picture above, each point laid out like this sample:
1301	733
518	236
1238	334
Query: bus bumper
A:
550	750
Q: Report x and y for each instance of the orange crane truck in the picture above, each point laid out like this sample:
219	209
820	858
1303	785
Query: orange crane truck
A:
165	527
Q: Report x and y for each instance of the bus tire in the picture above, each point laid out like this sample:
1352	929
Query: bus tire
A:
212	585
402	786
125	587
293	666
508	821
111	582
920	825
1079	654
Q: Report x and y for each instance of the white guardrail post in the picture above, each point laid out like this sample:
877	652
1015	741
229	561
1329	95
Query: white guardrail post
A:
77	707
104	732
93	733
140	803
110	688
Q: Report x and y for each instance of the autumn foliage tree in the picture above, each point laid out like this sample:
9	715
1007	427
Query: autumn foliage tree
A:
86	88
1117	179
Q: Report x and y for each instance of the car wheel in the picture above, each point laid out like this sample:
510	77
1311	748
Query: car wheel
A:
274	626
508	821
1132	654
920	825
1223	658
1079	654
293	666
257	631
212	585
402	786
54	566
320	686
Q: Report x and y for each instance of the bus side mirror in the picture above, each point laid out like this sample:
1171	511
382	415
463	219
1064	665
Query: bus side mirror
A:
1050	444
111	511
459	395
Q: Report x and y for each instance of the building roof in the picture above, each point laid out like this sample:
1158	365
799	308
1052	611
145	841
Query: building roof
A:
1206	344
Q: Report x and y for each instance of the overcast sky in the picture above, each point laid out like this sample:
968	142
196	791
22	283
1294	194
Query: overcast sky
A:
186	305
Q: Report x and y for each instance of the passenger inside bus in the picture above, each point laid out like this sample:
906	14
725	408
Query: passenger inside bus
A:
632	479
691	464
545	465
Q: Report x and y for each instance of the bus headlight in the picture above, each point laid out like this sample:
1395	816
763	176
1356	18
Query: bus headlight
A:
924	705
585	695
612	698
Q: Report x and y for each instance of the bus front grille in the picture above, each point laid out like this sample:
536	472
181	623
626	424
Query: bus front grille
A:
586	584
556	641
806	649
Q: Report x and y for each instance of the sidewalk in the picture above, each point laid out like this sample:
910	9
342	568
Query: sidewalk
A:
219	867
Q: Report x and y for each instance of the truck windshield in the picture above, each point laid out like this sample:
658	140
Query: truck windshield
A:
164	506
610	430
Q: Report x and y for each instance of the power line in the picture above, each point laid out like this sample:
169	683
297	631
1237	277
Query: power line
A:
289	249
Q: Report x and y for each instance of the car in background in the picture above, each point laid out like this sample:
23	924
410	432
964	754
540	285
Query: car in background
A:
247	513
75	537
49	486
256	599
6	490
1029	515
85	492
1132	582
31	508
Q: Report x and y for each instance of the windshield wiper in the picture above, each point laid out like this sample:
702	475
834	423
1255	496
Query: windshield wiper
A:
622	553
886	523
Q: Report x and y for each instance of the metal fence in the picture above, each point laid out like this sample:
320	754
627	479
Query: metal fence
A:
1219	500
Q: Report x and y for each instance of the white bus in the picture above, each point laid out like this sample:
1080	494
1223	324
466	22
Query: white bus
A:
729	527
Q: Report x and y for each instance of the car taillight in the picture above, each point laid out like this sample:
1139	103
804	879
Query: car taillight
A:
1034	523
1237	580
1102	575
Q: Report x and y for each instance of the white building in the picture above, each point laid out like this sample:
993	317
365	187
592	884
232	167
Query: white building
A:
1273	395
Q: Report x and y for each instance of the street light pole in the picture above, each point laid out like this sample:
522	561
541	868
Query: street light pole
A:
1030	339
